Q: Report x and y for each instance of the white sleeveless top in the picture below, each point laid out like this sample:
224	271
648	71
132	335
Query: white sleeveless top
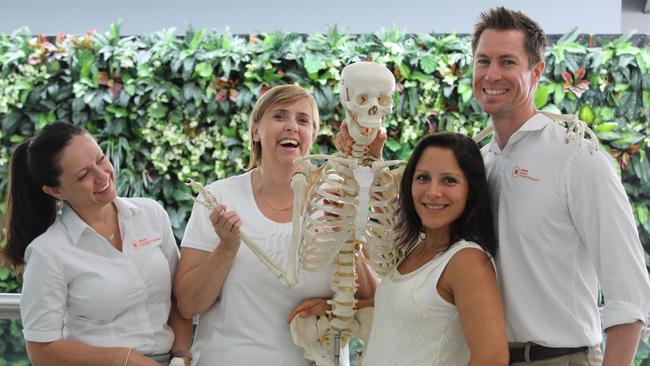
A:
412	324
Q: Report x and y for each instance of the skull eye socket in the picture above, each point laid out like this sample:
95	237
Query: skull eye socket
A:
384	100
362	99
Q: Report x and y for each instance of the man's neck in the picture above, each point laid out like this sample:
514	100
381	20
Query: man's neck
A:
505	125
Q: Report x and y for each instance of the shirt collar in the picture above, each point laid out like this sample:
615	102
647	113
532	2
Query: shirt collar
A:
535	123
75	226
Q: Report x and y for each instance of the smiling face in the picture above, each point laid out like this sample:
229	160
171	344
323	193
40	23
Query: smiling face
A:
285	132
503	82
439	190
87	178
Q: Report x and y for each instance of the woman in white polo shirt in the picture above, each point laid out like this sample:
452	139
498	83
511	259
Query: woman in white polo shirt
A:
244	310
98	277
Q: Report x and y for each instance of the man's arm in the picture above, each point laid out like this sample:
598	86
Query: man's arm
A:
603	216
622	341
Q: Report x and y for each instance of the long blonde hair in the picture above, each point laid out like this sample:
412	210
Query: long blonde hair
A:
278	95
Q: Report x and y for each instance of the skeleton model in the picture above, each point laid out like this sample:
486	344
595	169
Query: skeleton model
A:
347	203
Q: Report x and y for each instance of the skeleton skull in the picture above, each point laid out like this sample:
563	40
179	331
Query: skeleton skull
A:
367	96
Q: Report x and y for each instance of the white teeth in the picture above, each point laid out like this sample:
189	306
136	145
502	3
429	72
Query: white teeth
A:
434	207
102	189
495	91
291	142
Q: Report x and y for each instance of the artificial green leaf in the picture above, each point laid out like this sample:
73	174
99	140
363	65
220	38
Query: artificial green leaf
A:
558	93
608	135
552	108
586	113
642	214
393	145
465	90
627	139
429	63
157	111
4	273
203	69
646	98
542	95
606	127
313	63
119	112
404	71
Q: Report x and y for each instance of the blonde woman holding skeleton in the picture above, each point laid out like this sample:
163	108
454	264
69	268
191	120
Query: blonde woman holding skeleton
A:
244	311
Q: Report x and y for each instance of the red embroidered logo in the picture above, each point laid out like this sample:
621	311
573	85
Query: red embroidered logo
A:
522	173
135	245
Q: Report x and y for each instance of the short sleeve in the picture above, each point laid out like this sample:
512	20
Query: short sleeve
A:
169	247
199	233
43	299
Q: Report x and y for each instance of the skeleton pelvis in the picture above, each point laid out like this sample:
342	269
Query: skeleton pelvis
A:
316	335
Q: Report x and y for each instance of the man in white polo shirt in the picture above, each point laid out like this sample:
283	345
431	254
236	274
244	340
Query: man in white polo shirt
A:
565	225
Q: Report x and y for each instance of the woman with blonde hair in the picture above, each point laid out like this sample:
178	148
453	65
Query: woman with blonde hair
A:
244	311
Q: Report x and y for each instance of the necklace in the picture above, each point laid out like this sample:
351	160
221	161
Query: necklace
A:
424	251
261	196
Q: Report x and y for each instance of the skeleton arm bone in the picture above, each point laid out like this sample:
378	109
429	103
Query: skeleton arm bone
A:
577	129
210	203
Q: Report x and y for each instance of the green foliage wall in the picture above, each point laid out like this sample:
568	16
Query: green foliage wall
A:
166	109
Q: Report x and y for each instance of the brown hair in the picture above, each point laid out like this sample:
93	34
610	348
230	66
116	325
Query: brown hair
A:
30	211
476	223
278	95
502	19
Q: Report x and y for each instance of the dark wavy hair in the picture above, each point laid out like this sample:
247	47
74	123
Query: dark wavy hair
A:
475	223
30	211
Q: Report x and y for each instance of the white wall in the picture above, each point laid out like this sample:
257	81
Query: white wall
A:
305	16
633	18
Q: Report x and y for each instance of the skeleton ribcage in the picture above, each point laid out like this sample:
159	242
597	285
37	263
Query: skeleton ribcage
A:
329	217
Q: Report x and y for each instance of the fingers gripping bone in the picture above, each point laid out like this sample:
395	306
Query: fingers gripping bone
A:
210	202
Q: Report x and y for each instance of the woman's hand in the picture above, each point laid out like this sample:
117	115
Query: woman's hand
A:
226	224
343	141
310	307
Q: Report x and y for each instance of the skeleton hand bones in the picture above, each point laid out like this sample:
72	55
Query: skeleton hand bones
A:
227	224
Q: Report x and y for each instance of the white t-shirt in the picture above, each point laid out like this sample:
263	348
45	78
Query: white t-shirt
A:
247	324
79	287
565	227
